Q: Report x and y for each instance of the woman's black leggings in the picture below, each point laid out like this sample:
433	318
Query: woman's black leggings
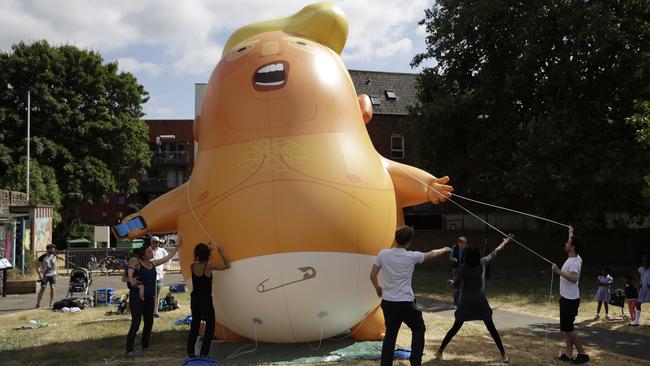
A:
489	324
202	308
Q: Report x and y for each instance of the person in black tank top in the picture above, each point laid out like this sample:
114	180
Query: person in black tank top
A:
201	297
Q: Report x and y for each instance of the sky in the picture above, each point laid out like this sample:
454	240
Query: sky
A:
170	45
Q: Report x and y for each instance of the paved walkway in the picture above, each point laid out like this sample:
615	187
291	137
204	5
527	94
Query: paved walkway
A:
13	303
619	342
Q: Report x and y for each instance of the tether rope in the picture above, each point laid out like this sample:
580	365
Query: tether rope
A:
510	209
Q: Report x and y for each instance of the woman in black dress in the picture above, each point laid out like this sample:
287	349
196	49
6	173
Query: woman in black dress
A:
473	304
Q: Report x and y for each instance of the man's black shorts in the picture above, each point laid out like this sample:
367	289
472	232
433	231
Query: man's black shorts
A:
568	313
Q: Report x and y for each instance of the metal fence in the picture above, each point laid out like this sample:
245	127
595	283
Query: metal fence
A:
103	260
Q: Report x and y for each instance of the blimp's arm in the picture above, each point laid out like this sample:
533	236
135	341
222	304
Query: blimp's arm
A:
414	186
159	216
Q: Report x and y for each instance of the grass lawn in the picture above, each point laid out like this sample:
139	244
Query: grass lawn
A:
528	292
92	338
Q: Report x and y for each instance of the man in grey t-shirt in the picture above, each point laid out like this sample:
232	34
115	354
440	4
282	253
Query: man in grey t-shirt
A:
46	270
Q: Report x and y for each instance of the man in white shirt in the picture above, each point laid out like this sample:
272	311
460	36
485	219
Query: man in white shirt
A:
158	253
570	298
398	300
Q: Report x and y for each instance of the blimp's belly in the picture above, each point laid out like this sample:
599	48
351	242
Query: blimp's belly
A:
294	297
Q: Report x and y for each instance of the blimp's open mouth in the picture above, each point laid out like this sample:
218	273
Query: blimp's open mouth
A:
271	76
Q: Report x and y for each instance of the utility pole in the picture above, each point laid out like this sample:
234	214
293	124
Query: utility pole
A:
29	109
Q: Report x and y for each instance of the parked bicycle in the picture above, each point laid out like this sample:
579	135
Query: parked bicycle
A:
109	263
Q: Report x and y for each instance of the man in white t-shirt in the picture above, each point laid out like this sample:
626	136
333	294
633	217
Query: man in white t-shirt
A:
158	253
570	298
398	301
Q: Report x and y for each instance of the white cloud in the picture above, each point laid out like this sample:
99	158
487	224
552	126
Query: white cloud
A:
422	30
191	33
156	109
134	66
403	46
198	60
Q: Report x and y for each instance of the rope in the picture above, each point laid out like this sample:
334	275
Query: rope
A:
189	202
510	209
240	351
320	340
475	216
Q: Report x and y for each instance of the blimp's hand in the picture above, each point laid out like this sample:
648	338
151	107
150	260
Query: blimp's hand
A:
438	190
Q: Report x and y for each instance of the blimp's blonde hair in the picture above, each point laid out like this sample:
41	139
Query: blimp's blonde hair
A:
324	23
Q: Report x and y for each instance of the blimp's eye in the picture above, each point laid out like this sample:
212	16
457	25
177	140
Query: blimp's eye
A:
238	52
302	45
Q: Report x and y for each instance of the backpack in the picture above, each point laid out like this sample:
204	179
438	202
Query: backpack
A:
67	303
168	303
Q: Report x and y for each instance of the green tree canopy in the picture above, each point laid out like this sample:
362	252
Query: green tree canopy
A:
86	123
526	103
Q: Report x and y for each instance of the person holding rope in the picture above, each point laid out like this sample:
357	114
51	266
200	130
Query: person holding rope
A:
201	297
398	300
473	304
570	298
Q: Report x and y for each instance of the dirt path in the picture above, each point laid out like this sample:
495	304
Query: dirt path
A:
619	342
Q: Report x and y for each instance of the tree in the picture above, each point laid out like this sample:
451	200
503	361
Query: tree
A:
640	120
42	183
527	101
85	123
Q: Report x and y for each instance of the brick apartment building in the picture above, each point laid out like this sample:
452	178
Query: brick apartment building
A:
172	148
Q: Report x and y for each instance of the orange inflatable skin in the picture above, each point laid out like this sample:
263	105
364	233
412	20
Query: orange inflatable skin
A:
285	166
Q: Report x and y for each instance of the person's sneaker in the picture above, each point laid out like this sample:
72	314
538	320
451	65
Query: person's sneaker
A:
146	349
156	316
580	359
608	317
597	317
437	355
505	358
633	324
565	358
131	354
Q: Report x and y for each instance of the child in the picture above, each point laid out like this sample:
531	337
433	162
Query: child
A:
130	278
602	294
644	289
631	295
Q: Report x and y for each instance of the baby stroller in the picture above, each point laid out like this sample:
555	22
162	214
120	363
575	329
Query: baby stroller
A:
617	298
79	287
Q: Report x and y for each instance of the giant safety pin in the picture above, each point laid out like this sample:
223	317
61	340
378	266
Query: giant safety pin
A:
308	274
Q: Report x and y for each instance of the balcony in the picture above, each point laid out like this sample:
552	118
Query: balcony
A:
170	158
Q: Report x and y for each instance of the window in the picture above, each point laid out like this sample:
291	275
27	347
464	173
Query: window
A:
390	94
375	100
396	146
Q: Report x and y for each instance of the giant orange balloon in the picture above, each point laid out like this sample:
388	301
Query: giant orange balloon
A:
288	182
